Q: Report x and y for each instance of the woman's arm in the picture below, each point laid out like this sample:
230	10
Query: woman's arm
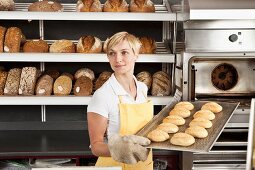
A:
97	126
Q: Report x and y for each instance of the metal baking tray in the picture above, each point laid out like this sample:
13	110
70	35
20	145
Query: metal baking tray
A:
201	145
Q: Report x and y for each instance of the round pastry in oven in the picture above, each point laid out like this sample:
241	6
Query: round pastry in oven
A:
224	76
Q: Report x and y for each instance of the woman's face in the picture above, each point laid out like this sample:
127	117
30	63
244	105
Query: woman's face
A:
122	58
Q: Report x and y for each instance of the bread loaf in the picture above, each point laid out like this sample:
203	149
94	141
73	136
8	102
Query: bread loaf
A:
12	82
28	81
174	119
168	127
84	72
3	77
83	86
89	44
145	77
53	73
46	6
13	40
158	135
103	77
149	45
206	114
186	105
62	46
141	6
212	106
44	86
115	6
199	121
88	6
2	34
180	112
36	46
197	131
161	84
62	85
68	74
182	139
7	5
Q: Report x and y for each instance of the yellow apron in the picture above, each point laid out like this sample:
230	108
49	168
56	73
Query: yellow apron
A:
133	117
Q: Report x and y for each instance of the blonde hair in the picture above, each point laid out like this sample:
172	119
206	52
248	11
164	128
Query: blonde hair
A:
133	42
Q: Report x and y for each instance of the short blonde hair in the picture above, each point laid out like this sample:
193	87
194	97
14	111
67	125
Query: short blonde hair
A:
133	41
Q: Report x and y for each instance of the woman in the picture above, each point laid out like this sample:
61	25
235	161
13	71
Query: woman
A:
120	106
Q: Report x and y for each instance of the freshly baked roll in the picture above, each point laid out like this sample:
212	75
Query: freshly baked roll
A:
88	6
180	112
197	131
141	6
103	77
145	77
89	44
84	72
62	85
174	119
13	40
212	106
83	86
36	46
182	139
2	33
149	45
46	6
199	121
115	6
69	75
53	73
28	81
161	84
3	77
186	105
62	46
7	5
206	114
44	86
168	127
12	82
158	135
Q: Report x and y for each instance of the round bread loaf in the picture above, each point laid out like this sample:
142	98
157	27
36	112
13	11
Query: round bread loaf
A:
180	112
145	77
158	135
46	6
12	82
7	5
83	86
53	73
36	46
69	75
201	122
3	77
197	131
141	6
149	45
174	119
161	84
168	127
186	105
84	72
88	6
62	85
212	106
103	77
182	139
2	33
89	44
44	86
206	114
115	6
13	40
62	46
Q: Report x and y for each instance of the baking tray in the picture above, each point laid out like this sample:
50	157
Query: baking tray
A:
201	145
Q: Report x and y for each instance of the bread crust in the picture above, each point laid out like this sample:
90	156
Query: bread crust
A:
199	121
212	106
145	77
182	139
7	5
141	6
158	135
46	6
149	45
115	6
197	131
88	6
174	119
36	46
44	86
62	46
180	111
2	34
161	84
89	44
62	85
12	41
103	77
84	72
185	104
206	114
83	86
168	127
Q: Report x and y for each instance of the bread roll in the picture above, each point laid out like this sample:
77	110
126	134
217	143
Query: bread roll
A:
84	72
180	112
161	84
206	114
36	46
44	86
28	81
83	86
69	75
89	44
53	73
182	139
12	82
62	85
103	77
7	5
149	45
115	6
158	135
201	122
145	77
88	6
141	6
168	127
197	131
13	38
174	119
212	106
62	46
186	105
2	33
3	77
46	6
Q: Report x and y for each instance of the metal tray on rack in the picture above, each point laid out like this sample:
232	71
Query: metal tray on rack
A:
201	145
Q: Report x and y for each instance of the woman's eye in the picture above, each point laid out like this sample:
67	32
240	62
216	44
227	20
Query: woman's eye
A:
124	52
111	53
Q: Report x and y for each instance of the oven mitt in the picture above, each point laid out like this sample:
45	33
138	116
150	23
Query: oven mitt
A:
128	149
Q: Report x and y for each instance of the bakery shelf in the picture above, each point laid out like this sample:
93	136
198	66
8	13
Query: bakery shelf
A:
162	13
64	100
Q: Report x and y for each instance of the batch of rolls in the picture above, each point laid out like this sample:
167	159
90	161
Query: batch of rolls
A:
85	6
202	120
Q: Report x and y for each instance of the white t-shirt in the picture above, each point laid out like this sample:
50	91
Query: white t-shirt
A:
105	101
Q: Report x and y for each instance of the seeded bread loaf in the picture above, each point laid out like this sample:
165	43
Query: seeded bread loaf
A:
141	6
161	84
115	6
3	77
44	86
88	6
46	6
7	5
62	85
84	72
36	46
62	46
28	81
103	77
89	44
145	77
83	86
12	82
2	34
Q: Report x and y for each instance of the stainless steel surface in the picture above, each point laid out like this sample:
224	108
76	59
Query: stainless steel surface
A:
201	145
226	166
